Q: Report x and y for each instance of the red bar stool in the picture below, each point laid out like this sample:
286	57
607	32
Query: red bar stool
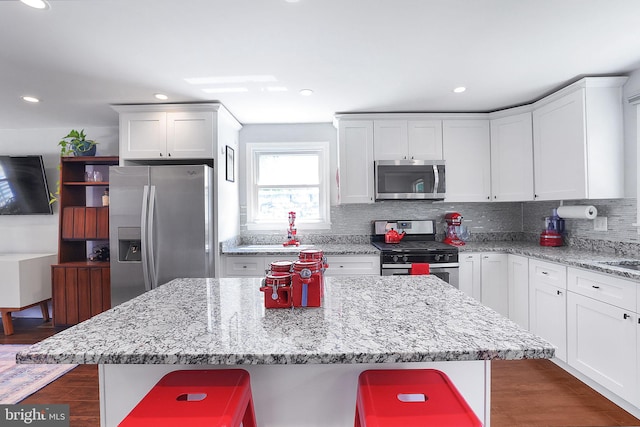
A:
410	398
196	398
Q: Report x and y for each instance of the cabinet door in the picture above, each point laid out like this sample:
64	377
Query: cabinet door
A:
143	135
355	182
470	274
359	265
518	283
602	343
559	149
548	314
495	292
190	135
390	140
243	266
425	139
466	146
512	158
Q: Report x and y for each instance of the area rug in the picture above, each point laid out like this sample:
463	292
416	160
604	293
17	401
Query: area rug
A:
20	381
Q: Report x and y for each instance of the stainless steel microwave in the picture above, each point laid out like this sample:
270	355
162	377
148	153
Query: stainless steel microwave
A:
409	179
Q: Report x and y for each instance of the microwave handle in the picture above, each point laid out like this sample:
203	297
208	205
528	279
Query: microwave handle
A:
436	181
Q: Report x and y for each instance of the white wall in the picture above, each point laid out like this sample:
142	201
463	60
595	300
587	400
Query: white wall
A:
39	233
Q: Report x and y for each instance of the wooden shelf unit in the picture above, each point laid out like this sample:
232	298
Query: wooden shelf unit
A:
80	288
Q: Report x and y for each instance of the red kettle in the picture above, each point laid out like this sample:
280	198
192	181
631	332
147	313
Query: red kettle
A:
392	236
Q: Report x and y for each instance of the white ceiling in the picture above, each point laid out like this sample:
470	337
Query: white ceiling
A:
80	56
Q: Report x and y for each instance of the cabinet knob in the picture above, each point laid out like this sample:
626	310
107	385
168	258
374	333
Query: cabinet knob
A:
169	154
626	316
244	266
495	197
595	287
160	154
488	197
559	293
544	272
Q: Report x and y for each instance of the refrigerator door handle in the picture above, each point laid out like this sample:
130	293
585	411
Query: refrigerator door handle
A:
152	267
145	240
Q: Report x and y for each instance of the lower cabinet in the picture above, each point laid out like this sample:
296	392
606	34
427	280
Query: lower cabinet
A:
603	331
602	344
470	274
548	304
79	293
339	265
518	284
494	284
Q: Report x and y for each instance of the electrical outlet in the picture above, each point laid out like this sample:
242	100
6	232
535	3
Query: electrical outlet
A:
600	223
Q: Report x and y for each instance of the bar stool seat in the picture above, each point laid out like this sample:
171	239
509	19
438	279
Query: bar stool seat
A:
196	398
410	398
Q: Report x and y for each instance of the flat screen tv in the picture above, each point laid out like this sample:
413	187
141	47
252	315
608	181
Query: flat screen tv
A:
23	186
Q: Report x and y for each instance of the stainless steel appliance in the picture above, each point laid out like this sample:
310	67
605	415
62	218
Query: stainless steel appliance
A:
160	226
417	246
409	179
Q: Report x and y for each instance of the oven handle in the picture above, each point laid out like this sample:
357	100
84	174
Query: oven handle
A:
432	266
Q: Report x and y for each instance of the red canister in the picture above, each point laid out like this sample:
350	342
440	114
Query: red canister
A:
306	283
277	290
315	255
281	267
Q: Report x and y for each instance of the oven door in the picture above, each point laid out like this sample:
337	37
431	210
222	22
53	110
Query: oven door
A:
447	272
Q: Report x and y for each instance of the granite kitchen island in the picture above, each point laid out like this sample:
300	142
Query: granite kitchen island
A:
304	362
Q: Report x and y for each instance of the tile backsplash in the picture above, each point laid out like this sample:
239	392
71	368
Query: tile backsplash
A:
486	221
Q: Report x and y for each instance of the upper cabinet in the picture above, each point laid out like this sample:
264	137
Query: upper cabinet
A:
355	175
466	146
578	141
170	131
512	158
407	139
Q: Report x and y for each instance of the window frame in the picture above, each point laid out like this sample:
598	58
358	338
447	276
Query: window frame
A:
254	149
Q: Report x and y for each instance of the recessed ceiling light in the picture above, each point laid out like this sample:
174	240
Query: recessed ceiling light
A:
161	96
460	89
306	92
292	1
37	4
225	90
30	99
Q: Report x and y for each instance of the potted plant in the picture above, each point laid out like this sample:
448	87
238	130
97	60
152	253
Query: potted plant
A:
76	143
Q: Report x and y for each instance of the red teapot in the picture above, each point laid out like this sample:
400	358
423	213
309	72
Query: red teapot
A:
392	236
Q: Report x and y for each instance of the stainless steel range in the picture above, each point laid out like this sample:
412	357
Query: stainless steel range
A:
417	246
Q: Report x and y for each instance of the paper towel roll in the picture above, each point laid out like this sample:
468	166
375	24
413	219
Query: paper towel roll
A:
578	212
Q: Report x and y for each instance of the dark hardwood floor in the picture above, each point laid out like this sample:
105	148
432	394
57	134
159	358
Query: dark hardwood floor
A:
524	392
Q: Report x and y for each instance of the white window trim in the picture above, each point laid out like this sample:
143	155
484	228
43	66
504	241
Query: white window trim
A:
323	147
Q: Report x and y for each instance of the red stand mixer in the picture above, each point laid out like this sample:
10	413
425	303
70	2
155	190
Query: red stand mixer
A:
454	225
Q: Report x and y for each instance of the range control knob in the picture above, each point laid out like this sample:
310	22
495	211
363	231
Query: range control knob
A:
405	259
395	258
437	257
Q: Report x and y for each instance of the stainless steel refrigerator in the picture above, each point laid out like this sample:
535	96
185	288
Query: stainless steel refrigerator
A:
160	226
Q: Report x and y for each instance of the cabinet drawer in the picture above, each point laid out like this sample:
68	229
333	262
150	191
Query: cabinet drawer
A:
244	266
548	272
353	265
603	287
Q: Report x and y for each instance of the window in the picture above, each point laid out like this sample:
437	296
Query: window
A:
284	177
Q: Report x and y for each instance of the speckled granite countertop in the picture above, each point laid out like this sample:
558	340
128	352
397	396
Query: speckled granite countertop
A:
327	249
363	320
563	254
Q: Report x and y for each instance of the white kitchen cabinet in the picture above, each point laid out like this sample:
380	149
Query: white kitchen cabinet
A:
355	178
548	304
578	141
603	287
518	289
243	266
172	131
512	158
407	139
470	274
353	265
494	283
466	149
602	343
